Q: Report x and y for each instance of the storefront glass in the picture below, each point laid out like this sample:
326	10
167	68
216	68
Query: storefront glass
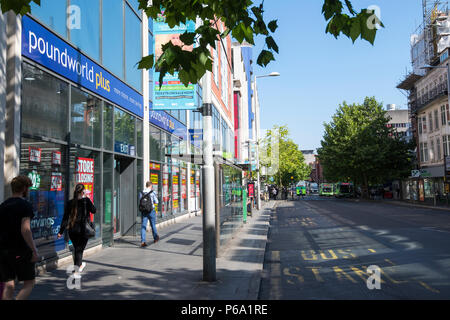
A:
156	180
124	130
86	126
86	168
108	164
44	163
108	121
155	144
44	104
428	187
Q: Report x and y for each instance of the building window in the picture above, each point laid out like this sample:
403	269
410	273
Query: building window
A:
108	121
430	121
432	159
112	37
45	101
124	130
53	14
86	122
445	145
436	119
133	48
421	152
424	124
425	152
419	125
443	117
86	36
438	149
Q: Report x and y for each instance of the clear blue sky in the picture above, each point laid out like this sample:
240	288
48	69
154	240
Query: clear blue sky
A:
319	72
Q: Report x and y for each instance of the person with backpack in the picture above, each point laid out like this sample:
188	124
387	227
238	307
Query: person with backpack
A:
75	219
147	201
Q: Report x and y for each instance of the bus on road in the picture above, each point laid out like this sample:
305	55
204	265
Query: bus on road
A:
343	190
326	189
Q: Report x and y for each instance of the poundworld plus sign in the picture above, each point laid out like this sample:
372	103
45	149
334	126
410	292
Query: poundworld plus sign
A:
47	49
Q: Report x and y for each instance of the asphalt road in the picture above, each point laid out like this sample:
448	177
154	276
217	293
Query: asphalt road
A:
324	248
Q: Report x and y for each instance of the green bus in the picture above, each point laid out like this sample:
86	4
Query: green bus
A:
343	190
326	189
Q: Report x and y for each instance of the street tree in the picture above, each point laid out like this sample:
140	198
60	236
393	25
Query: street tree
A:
280	153
358	145
244	20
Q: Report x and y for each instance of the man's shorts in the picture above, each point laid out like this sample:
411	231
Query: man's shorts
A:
18	266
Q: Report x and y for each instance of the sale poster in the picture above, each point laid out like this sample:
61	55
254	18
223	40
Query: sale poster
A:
175	184
35	154
192	184
56	181
183	184
56	158
85	175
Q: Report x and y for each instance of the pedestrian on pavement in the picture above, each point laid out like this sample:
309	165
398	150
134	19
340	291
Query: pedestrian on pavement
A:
147	201
18	253
76	214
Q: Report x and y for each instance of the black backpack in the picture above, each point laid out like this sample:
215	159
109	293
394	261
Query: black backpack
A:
146	203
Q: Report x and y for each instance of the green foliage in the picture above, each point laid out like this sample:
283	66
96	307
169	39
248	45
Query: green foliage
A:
289	161
359	145
243	19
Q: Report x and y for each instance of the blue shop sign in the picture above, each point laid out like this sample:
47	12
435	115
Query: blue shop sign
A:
47	49
196	136
124	148
168	123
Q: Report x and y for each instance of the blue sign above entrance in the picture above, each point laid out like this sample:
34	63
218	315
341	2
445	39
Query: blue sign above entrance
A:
45	48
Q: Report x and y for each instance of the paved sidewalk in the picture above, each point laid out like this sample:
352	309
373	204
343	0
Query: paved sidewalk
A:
405	203
169	269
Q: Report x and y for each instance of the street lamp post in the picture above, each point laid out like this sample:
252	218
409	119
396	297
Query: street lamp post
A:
258	187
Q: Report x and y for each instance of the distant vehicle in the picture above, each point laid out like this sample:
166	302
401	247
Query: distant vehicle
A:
313	187
326	189
343	190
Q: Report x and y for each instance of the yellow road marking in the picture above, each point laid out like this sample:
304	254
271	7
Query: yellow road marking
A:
362	274
389	261
275	256
339	273
346	255
333	255
286	272
315	271
371	250
313	255
392	279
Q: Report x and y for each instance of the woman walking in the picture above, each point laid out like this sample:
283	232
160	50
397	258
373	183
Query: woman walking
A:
75	217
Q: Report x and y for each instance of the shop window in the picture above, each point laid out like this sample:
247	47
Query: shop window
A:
86	168
45	101
86	122
107	226
124	130
45	164
85	33
157	183
155	144
112	37
133	48
53	14
108	120
139	136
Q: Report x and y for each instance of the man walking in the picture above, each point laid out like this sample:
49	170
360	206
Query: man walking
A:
18	253
147	201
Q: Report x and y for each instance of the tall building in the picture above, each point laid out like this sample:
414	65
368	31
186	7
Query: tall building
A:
74	108
428	107
399	120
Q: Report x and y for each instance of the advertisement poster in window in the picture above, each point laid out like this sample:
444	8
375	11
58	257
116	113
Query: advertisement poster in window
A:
172	94
56	181
56	158
35	154
85	175
154	179
421	191
175	184
165	194
192	184
183	184
197	182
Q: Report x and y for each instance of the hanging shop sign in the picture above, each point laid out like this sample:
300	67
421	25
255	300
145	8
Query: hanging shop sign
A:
56	158
50	51
56	181
35	154
35	180
172	94
85	175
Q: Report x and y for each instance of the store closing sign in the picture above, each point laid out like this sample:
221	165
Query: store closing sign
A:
85	175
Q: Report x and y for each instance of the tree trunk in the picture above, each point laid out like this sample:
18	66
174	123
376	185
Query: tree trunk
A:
365	188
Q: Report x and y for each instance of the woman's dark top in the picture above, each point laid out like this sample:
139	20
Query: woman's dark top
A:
85	206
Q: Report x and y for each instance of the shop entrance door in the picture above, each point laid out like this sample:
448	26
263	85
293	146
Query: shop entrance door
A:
125	201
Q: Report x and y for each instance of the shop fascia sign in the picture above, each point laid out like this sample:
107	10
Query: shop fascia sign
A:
422	173
168	123
50	51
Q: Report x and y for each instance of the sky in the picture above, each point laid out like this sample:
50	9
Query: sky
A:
319	72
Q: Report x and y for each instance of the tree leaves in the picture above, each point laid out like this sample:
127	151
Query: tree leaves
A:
21	7
358	144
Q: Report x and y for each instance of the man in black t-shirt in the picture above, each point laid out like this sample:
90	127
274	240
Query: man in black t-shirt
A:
18	253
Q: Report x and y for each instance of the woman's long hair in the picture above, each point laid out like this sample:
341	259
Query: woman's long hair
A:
74	210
